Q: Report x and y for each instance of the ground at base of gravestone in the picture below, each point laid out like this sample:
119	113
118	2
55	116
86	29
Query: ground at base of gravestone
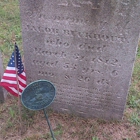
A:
65	127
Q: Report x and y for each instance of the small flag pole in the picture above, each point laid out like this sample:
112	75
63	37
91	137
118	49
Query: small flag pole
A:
19	102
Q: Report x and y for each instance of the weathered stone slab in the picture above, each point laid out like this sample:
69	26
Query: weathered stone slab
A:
86	48
1	74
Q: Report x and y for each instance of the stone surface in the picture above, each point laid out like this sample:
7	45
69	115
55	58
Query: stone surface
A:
1	74
86	48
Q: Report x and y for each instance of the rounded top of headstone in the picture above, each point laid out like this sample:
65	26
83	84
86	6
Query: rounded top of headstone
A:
38	95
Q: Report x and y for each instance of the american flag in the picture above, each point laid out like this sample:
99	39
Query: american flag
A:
14	78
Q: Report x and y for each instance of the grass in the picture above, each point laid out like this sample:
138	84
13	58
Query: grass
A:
65	127
10	27
133	100
135	119
95	138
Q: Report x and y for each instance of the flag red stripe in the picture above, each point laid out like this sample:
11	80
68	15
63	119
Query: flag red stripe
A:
20	90
10	71
23	85
22	80
8	85
9	78
22	76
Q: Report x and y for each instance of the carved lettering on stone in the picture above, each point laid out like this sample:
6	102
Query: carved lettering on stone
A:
93	4
86	48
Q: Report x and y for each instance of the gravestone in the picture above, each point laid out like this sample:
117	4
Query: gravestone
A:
86	48
1	74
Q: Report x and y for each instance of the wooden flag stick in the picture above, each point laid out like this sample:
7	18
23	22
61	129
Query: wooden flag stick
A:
19	102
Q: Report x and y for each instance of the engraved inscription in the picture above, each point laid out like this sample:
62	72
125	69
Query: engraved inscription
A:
94	36
45	63
70	66
91	47
73	33
40	29
57	42
53	53
71	20
46	73
84	47
94	4
75	56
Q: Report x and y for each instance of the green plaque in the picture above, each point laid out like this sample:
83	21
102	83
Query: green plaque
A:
38	95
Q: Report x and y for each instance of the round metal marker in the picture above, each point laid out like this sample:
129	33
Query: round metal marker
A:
39	95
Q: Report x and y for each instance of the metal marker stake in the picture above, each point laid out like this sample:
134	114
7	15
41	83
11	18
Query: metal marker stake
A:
33	99
49	124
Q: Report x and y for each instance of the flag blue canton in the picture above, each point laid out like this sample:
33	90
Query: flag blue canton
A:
18	64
